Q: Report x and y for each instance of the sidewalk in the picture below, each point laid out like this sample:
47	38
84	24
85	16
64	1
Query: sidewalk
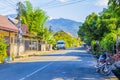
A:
111	77
30	53
114	78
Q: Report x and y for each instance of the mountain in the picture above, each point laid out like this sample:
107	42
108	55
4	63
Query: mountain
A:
65	25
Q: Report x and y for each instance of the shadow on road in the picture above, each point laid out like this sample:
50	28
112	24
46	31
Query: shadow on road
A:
51	70
74	65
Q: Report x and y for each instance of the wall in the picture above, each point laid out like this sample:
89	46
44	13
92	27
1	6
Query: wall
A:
14	49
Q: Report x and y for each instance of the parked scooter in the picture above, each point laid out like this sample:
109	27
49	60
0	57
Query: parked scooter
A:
100	62
116	69
104	64
106	68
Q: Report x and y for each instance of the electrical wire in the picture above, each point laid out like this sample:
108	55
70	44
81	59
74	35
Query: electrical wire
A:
14	2
48	3
55	3
65	4
51	4
11	4
7	4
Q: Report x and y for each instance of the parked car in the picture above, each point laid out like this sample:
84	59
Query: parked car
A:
60	44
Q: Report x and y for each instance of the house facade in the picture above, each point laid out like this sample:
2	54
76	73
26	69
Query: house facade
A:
9	31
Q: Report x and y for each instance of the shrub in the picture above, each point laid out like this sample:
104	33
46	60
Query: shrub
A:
108	41
3	47
96	48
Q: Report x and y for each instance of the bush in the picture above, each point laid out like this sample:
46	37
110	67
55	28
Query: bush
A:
108	41
3	47
96	48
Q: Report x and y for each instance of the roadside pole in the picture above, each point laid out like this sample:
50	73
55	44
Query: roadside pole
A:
19	28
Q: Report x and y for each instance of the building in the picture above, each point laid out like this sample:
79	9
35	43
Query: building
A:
9	31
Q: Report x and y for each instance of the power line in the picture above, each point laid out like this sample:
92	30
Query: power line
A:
11	4
65	4
48	3
7	4
55	3
13	1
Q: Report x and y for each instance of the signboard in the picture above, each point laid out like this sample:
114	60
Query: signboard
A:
20	33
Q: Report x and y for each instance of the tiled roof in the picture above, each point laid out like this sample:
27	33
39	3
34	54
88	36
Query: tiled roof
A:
5	24
24	29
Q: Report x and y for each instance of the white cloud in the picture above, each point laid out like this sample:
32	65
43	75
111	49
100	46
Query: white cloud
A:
50	18
63	1
102	3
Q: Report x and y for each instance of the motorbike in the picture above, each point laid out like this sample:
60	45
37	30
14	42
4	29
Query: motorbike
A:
106	68
100	63
116	69
104	65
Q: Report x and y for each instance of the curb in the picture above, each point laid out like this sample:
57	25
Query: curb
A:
32	53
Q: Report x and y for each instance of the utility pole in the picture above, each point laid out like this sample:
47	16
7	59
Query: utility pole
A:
19	28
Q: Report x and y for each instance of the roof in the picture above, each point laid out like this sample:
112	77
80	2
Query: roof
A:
5	24
25	32
14	21
62	31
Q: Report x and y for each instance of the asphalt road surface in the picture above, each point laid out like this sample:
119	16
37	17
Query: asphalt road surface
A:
71	64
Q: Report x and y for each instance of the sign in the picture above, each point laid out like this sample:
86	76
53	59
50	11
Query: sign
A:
20	33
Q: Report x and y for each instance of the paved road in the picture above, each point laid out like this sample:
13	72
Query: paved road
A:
72	64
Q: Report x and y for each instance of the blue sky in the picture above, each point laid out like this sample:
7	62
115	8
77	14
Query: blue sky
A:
57	9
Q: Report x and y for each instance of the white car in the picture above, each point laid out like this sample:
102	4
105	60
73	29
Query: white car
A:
60	44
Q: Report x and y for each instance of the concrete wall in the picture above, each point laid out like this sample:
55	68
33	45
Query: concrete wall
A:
48	47
45	47
26	45
14	49
42	47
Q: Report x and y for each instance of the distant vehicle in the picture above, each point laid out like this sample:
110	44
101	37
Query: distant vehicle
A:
60	44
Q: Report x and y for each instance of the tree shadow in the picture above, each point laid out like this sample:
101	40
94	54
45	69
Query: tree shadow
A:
49	70
79	68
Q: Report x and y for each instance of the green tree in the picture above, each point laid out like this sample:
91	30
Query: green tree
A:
69	40
34	18
100	27
115	7
108	41
48	36
91	28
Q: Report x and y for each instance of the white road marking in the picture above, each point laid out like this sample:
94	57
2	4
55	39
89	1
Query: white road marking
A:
39	69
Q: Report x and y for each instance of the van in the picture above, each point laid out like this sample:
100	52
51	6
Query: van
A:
60	44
